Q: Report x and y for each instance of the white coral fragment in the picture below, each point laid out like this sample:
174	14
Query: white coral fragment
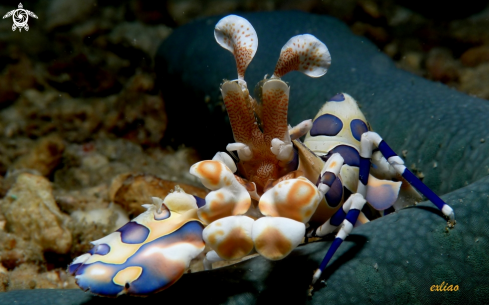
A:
101	216
33	215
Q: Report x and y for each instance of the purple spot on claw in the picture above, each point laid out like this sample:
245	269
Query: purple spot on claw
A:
102	249
133	233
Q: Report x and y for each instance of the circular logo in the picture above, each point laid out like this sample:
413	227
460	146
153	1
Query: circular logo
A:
20	18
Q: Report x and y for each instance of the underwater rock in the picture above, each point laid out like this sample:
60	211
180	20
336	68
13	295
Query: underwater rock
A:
28	276
139	36
411	62
472	31
138	116
37	114
81	75
102	216
31	213
184	11
131	191
375	33
66	12
451	10
152	12
83	199
15	251
474	81
44	157
137	113
103	21
475	56
17	78
441	66
4	279
95	163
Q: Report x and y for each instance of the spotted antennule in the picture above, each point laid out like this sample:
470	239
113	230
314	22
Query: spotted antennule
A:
238	36
303	53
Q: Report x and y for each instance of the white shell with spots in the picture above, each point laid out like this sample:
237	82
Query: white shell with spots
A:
347	111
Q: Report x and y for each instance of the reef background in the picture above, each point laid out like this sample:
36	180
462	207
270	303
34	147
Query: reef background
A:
82	123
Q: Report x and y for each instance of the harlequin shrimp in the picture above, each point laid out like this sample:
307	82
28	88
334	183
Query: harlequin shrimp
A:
270	192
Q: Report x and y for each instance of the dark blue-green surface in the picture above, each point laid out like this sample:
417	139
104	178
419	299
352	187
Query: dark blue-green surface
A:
412	248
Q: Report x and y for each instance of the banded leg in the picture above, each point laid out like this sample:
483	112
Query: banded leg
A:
329	174
333	223
330	171
368	139
356	203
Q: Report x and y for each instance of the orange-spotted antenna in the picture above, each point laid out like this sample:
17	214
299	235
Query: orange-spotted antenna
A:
304	53
237	35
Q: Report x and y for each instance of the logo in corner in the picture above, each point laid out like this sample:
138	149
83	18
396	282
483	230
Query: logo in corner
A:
20	17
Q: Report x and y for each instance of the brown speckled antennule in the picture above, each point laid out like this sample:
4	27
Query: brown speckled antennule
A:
304	53
237	35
